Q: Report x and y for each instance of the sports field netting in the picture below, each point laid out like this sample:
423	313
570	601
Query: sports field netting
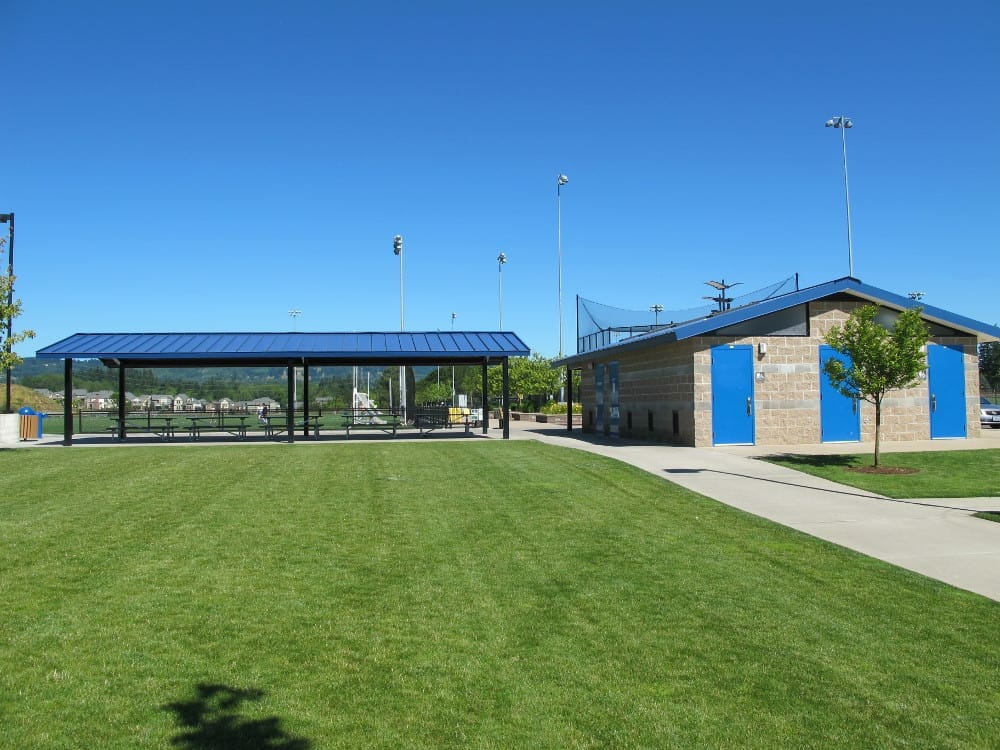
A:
599	325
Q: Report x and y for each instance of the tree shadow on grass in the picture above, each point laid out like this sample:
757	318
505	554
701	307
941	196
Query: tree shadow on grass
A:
817	461
212	721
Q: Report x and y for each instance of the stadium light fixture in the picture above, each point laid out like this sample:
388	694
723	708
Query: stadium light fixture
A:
843	123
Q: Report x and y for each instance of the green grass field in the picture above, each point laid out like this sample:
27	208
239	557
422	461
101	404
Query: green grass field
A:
957	473
453	595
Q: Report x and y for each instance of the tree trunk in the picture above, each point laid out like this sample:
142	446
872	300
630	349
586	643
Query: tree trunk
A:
878	427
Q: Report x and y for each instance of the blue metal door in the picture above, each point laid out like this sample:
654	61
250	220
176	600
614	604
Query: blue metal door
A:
839	416
732	395
946	389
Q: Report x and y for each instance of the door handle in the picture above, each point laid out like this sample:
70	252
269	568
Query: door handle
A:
854	406
749	407
933	402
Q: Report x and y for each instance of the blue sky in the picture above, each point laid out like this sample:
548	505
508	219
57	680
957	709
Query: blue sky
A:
206	166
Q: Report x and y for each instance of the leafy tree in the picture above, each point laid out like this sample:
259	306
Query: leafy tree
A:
433	389
533	380
880	360
989	363
8	357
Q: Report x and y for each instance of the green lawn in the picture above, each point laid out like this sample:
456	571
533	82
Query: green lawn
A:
937	473
472	594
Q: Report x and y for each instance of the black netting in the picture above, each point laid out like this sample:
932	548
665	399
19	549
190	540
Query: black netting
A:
599	325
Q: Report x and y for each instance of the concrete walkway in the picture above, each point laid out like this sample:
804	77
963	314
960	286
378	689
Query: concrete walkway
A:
938	538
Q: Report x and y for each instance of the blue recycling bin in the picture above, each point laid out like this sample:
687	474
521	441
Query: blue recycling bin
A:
41	418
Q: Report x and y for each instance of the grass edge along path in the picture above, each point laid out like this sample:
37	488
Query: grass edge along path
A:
944	474
486	594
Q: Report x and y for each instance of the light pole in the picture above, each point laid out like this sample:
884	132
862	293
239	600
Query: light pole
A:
295	313
453	316
656	310
397	249
843	123
501	259
560	181
8	219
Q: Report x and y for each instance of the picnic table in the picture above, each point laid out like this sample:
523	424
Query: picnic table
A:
276	425
234	424
385	420
161	426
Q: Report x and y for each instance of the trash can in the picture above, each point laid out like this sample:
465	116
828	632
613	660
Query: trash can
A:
41	419
29	423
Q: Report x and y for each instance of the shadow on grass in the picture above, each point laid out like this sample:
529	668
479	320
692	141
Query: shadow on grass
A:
815	461
212	721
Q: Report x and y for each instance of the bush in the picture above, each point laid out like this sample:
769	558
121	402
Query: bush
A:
553	407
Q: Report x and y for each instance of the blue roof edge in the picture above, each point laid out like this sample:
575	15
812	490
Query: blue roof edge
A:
206	346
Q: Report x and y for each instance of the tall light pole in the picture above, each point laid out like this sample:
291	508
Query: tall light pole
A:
8	219
843	123
453	316
656	310
560	181
397	249
294	313
501	260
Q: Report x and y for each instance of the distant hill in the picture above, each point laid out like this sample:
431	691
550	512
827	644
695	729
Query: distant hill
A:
21	396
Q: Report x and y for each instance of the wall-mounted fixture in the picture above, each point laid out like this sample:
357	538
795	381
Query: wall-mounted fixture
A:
762	348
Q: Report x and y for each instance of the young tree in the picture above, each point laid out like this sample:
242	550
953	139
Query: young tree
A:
8	312
880	360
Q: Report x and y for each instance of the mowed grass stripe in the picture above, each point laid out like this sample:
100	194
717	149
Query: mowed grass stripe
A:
473	594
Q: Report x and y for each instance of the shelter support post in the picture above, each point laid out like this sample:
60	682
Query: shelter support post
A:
121	399
68	401
290	411
569	399
486	397
305	399
506	398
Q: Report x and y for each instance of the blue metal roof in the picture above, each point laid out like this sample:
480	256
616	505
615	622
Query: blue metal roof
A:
400	347
848	285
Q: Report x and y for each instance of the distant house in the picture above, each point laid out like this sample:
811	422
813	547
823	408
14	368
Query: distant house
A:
156	401
753	374
183	402
99	400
